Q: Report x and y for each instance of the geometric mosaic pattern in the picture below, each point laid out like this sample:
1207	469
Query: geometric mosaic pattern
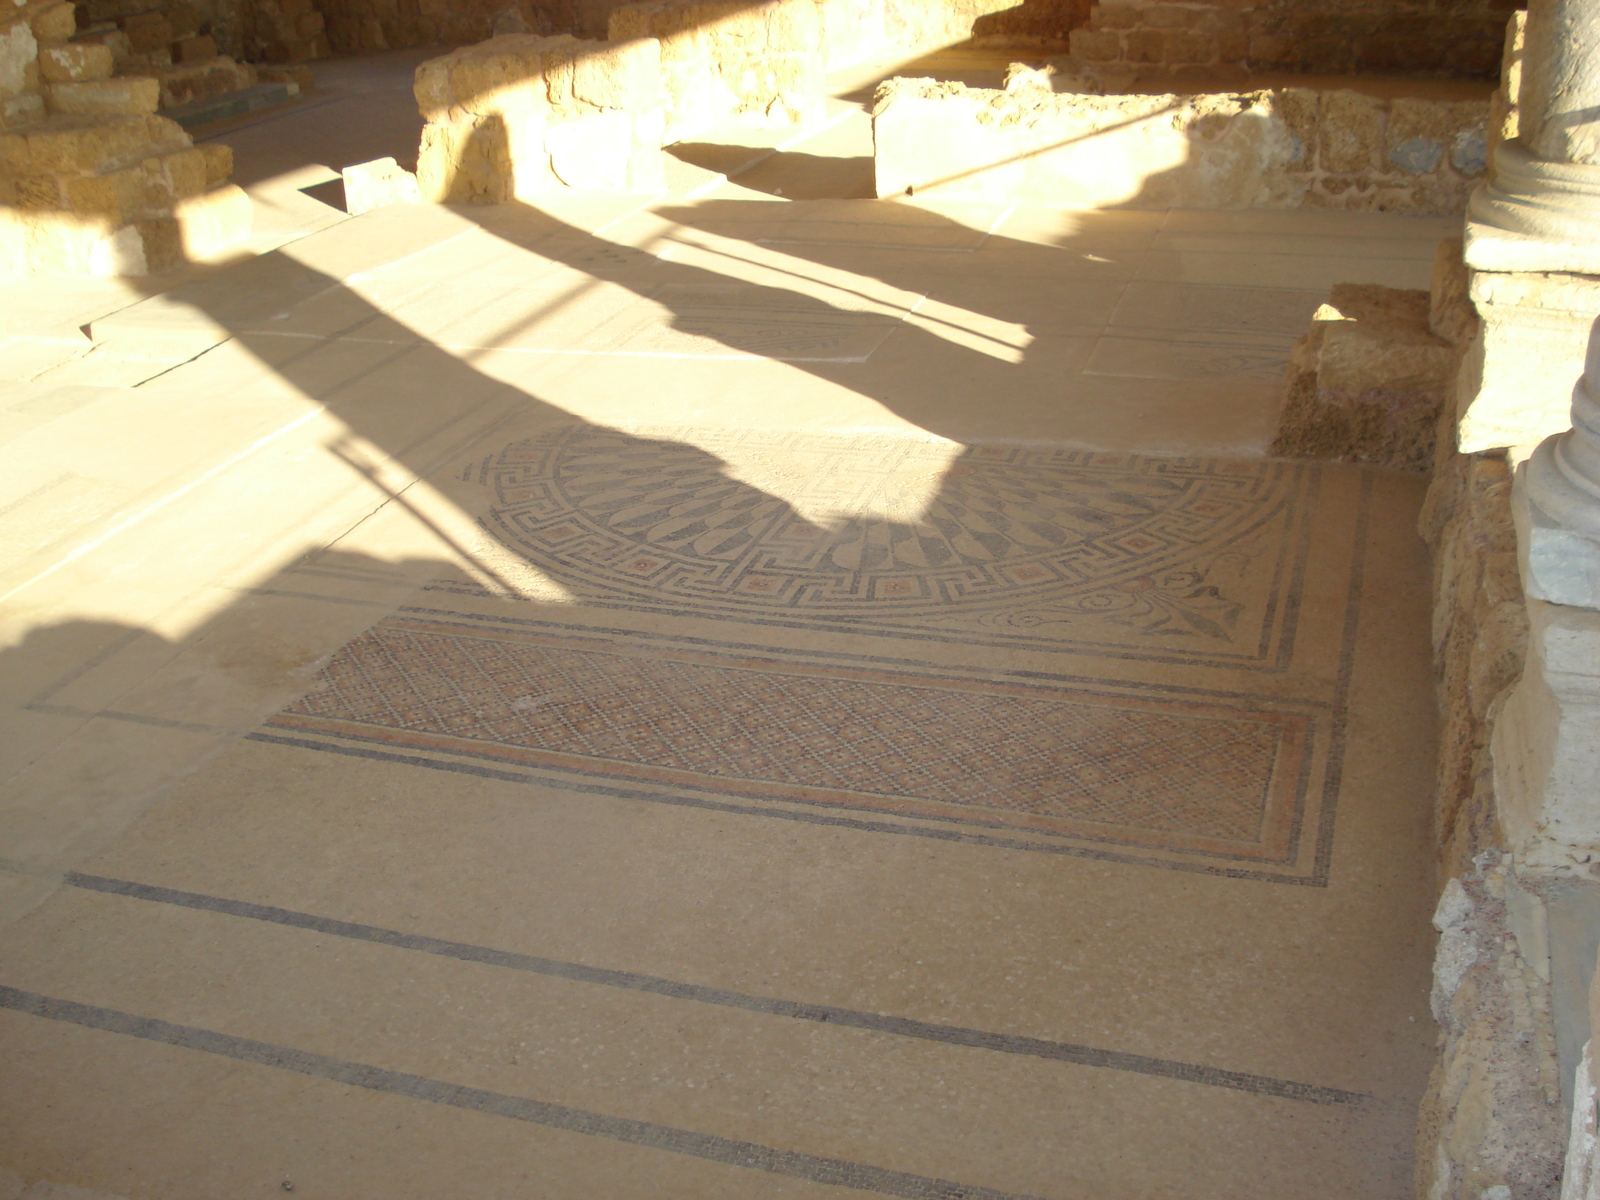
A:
1016	542
1046	760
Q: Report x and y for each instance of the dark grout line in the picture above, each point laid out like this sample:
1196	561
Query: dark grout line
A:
954	1035
730	1151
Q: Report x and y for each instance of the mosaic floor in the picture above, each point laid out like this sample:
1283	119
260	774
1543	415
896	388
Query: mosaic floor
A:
1032	661
667	705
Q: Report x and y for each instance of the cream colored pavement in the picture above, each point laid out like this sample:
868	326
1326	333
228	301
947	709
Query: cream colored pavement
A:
235	963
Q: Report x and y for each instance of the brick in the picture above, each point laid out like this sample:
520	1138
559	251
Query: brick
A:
64	62
128	94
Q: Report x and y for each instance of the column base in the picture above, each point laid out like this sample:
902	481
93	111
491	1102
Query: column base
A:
1534	215
1559	564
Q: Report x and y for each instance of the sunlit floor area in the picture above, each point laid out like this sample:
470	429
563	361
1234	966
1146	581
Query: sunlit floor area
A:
715	695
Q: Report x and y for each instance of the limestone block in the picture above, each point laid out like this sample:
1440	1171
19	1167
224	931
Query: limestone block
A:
378	183
183	172
19	52
60	244
1190	47
63	62
1352	132
1096	45
54	22
146	62
26	109
105	97
81	145
113	40
148	35
185	21
1116	16
219	162
213	222
114	194
432	88
1300	111
626	77
1516	384
196	81
193	49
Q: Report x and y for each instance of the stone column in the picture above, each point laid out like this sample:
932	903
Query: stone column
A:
1540	208
1559	509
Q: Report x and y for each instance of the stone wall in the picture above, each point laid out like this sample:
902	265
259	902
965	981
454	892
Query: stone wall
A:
521	115
92	181
1454	38
846	31
1490	1126
727	58
1283	148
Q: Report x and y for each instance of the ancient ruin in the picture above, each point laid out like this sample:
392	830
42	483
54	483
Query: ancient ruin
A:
701	598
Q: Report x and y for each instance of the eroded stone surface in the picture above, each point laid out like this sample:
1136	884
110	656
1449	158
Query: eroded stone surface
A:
1283	148
1365	384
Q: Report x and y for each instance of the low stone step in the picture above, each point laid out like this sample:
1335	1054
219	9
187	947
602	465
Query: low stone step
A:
230	104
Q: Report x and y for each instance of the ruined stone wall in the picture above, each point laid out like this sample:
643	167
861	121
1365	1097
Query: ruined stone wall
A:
521	115
845	31
1490	1126
1452	38
1043	23
1284	148
92	180
1366	383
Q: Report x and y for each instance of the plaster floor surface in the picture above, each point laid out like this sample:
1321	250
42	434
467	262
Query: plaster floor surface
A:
710	696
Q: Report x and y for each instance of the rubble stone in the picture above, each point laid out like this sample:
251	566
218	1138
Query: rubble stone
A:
1367	382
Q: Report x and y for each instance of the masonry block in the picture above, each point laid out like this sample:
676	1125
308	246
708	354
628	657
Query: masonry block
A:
74	62
54	22
148	35
105	97
193	50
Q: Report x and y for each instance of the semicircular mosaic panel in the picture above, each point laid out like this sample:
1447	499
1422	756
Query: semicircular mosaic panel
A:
1010	543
